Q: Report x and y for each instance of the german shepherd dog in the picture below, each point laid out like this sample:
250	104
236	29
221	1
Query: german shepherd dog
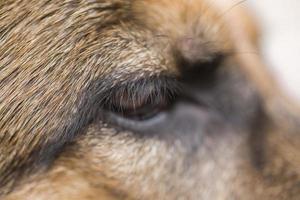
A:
141	99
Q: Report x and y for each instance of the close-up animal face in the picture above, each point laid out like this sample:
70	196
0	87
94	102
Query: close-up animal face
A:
141	99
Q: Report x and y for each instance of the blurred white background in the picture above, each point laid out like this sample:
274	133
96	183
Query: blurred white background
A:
280	22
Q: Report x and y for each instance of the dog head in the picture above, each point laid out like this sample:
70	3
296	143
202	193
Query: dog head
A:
150	99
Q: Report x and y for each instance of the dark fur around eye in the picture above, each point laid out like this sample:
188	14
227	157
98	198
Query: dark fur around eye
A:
202	70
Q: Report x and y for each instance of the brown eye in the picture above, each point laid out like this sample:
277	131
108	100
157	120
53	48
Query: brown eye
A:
144	110
142	99
139	108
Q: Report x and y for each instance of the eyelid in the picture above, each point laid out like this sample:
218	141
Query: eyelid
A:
154	88
126	102
141	125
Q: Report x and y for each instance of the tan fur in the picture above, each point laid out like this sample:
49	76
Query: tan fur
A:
52	53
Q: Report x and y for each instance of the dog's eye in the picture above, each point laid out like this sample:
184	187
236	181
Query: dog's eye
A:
138	107
142	99
141	109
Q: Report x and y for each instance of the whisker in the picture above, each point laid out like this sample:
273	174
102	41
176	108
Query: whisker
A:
232	7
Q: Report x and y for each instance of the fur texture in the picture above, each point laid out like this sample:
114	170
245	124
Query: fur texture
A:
61	59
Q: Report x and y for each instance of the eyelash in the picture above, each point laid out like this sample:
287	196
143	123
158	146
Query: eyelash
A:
123	98
141	98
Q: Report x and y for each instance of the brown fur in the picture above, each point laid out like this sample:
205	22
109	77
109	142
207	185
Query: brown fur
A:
55	56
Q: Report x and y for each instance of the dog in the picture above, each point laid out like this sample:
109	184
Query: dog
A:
141	99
